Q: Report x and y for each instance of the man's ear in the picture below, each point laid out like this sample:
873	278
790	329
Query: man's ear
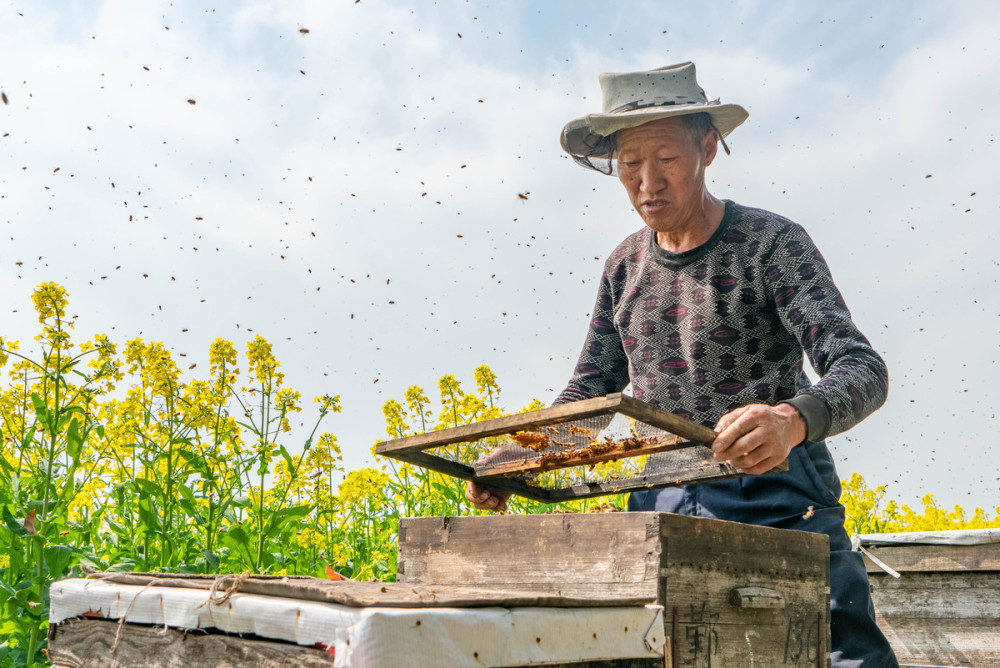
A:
710	146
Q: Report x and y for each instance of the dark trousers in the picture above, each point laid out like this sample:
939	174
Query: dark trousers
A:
805	498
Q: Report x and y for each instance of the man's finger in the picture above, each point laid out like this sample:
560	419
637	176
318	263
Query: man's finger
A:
729	418
731	434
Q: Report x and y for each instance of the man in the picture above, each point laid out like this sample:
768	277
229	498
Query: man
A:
707	312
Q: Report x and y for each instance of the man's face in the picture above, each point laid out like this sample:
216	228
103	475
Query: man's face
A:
663	169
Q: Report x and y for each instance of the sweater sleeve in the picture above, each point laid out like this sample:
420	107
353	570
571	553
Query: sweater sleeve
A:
853	377
603	366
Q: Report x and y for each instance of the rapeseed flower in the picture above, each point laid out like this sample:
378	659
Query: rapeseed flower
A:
417	401
263	365
50	300
395	418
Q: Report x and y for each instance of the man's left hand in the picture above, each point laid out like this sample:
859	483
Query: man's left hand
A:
756	438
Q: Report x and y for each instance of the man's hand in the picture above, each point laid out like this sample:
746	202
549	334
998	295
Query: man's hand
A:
485	497
756	438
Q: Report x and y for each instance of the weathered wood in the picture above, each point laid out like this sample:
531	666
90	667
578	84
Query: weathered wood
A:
930	558
379	594
87	643
940	618
665	420
576	410
465	472
551	553
689	565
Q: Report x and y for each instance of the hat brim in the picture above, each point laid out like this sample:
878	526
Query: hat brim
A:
582	135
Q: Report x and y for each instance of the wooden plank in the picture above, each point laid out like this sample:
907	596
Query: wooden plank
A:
381	594
576	410
944	618
465	472
666	420
938	597
931	558
705	470
87	643
583	457
554	553
716	545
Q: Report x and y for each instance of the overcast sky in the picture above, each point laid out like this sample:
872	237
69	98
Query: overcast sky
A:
346	183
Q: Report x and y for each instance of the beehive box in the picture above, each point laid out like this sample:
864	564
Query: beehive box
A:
127	620
944	609
733	595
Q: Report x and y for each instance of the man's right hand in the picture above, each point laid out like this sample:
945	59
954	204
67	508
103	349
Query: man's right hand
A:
484	497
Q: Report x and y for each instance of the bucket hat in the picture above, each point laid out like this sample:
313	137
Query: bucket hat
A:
634	98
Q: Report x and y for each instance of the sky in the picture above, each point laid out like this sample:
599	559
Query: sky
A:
378	189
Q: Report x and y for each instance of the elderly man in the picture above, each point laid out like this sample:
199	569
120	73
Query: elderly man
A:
708	312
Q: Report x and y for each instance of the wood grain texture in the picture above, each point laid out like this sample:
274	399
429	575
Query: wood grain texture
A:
465	472
665	420
87	643
944	618
936	558
554	553
576	410
689	565
452	594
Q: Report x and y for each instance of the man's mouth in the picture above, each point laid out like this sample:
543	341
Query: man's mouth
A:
654	205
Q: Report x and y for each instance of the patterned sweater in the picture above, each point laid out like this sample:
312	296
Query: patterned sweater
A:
726	324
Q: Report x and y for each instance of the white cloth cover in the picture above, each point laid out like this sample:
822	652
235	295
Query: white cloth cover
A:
962	537
377	637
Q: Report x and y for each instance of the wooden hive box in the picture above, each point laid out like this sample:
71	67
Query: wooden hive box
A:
944	609
733	595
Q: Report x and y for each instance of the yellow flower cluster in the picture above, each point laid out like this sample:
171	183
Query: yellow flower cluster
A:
361	487
395	419
50	300
222	365
263	365
328	404
310	539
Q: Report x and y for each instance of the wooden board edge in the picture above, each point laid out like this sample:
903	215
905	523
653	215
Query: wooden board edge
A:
502	425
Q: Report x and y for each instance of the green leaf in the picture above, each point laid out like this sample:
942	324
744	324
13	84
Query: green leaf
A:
239	535
212	559
241	501
74	442
41	410
13	524
287	457
191	510
185	492
149	487
57	558
295	512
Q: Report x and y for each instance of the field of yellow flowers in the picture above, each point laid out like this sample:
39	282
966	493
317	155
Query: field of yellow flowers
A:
115	460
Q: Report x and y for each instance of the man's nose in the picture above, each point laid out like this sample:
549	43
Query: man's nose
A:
651	179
